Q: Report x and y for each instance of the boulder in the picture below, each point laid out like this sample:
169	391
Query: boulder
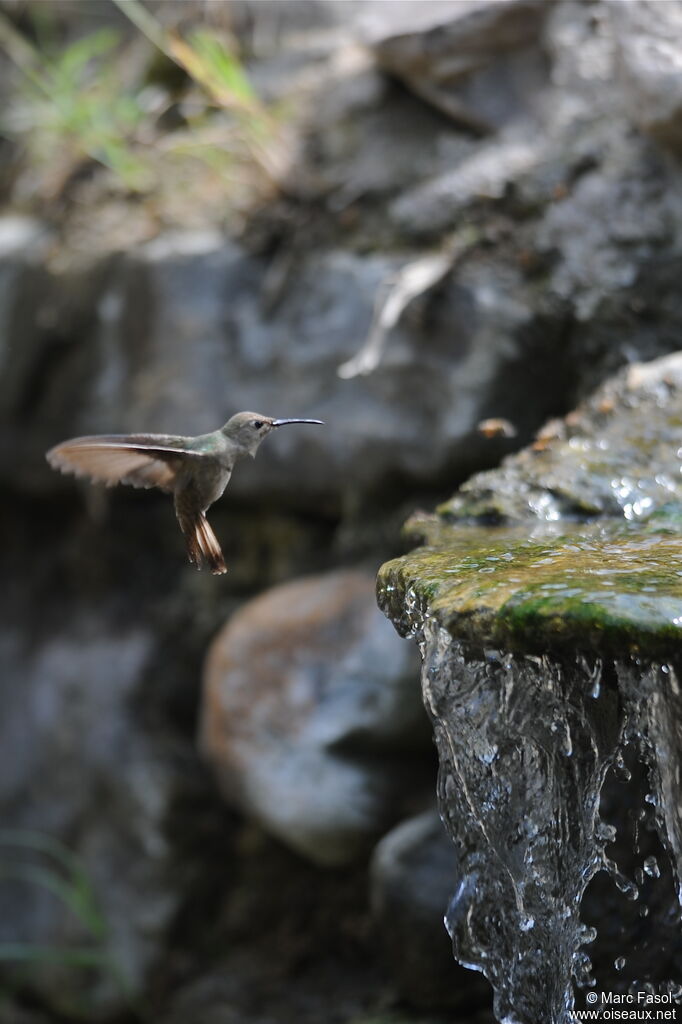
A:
311	719
597	461
413	875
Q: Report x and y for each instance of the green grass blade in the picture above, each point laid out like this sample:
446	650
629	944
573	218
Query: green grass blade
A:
40	842
223	65
79	900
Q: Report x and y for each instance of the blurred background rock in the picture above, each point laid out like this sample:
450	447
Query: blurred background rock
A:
400	217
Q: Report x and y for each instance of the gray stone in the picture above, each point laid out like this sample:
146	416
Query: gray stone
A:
309	711
598	461
648	35
413	877
485	173
611	224
476	61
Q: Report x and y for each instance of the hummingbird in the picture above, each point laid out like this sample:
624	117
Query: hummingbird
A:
195	470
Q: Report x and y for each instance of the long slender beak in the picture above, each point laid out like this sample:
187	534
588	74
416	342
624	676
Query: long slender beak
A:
282	423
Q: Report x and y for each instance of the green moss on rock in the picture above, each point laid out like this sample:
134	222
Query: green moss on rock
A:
614	587
551	575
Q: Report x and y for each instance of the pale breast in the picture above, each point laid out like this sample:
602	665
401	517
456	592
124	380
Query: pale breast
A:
206	478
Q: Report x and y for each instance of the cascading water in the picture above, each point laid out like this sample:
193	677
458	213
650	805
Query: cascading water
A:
552	659
525	747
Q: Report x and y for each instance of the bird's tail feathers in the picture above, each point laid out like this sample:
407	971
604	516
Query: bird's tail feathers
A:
202	545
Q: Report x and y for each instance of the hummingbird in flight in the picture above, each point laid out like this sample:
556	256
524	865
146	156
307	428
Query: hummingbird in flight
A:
195	470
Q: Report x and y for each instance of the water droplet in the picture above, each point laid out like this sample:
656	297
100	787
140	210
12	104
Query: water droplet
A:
489	755
605	833
619	963
582	970
622	773
651	867
627	887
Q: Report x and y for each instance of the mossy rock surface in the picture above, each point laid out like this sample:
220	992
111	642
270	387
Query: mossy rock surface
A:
587	550
614	588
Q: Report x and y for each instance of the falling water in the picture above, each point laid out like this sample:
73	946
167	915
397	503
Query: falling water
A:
528	747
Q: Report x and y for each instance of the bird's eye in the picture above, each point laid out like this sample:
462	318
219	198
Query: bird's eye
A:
258	424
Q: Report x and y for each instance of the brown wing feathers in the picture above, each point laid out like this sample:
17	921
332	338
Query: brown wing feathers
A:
118	460
144	461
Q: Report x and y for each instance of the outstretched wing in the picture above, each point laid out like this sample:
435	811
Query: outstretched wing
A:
141	460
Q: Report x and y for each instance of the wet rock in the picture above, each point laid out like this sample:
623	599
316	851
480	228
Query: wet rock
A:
310	714
648	51
477	61
551	654
538	584
413	876
617	454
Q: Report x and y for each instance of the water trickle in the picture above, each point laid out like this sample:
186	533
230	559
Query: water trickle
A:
593	671
605	833
620	768
582	970
525	752
651	867
627	887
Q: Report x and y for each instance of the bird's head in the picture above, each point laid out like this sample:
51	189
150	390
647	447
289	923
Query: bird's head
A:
246	430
